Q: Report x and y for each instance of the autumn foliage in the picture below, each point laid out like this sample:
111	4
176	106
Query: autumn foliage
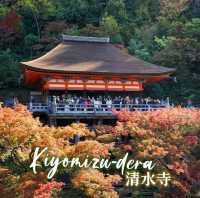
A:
20	133
95	184
170	137
47	190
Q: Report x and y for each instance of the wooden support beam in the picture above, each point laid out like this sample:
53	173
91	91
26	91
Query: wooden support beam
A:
52	122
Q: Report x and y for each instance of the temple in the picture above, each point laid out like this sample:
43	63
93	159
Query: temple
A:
89	65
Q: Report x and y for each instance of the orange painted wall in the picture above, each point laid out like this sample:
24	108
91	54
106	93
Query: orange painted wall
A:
40	80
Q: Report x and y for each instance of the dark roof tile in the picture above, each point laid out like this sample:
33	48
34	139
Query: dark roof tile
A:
91	57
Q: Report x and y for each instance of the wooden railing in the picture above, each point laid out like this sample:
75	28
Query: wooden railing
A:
91	109
38	107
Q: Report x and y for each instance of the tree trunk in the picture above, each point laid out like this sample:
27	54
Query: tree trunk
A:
37	24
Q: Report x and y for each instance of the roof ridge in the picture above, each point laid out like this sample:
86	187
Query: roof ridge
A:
86	39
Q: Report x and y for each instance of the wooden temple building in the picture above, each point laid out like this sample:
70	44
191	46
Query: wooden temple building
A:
87	65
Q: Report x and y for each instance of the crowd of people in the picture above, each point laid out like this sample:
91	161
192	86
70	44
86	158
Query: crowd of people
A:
104	100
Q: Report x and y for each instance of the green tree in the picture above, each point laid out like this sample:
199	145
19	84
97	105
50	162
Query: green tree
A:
9	71
182	54
81	12
138	49
171	9
144	11
3	11
117	9
29	41
110	25
40	10
192	28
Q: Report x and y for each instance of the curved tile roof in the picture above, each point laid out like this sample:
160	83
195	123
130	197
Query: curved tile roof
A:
93	57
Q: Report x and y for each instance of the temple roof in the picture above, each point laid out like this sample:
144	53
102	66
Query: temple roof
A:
93	55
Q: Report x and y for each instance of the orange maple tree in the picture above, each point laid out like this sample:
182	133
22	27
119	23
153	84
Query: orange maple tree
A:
167	136
95	184
20	133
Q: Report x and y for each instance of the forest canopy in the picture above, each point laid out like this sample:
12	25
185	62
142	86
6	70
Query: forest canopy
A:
165	32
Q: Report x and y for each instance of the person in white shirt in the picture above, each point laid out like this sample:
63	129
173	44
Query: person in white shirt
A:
109	103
